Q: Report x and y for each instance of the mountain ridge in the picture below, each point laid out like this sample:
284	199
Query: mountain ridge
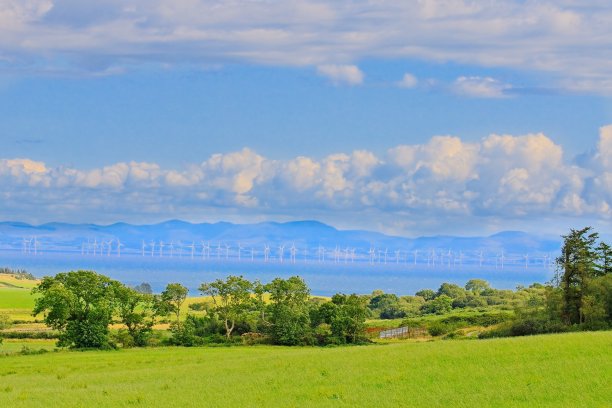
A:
301	233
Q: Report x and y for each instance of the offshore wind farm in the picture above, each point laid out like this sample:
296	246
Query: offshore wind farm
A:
350	260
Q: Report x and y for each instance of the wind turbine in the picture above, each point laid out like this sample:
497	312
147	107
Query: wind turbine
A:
281	252
219	250
240	248
152	245
119	245
95	246
526	260
266	252
203	249
372	254
208	250
109	247
192	246
227	250
171	246
161	248
416	252
144	246
397	256
321	253
293	251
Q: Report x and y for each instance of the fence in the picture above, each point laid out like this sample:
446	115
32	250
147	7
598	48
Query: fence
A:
402	332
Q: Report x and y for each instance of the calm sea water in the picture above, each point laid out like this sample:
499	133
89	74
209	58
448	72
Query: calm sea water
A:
323	278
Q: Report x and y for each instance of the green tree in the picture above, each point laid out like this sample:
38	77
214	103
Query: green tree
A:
451	290
79	305
477	286
231	299
440	305
145	288
426	294
604	261
576	265
289	310
137	312
349	322
172	298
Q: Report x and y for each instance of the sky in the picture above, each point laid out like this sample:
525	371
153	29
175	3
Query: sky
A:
408	117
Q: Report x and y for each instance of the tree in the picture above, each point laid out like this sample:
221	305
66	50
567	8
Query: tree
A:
477	286
440	305
604	255
137	312
79	305
172	299
231	298
451	290
426	294
289	310
575	267
349	322
145	288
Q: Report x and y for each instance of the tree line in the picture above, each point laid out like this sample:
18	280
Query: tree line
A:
83	305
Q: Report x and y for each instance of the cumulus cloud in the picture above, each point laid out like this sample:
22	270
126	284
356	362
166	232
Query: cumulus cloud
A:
500	176
341	74
479	87
572	40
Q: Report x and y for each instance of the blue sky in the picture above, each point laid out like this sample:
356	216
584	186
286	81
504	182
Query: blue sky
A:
416	117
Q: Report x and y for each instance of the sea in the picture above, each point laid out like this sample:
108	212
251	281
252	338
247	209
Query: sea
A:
324	278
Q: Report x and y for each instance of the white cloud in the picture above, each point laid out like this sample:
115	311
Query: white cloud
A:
408	81
501	177
341	74
479	87
570	40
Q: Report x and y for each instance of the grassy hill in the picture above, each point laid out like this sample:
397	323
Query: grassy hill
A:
16	298
565	370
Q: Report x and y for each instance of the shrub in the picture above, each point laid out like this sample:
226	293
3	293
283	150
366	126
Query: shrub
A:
30	335
438	328
251	338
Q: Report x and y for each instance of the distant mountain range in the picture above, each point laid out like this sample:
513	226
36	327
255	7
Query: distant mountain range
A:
304	235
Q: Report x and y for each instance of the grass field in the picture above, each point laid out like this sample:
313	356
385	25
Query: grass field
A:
567	370
10	281
10	346
16	298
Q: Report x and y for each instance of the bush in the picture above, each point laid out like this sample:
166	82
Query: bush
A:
251	338
26	351
438	328
5	321
440	305
30	335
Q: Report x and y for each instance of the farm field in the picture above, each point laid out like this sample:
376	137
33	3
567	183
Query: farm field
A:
565	370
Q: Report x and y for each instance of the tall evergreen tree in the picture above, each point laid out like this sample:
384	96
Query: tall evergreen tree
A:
576	266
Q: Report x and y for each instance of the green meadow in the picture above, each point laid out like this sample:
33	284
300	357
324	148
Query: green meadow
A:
565	370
